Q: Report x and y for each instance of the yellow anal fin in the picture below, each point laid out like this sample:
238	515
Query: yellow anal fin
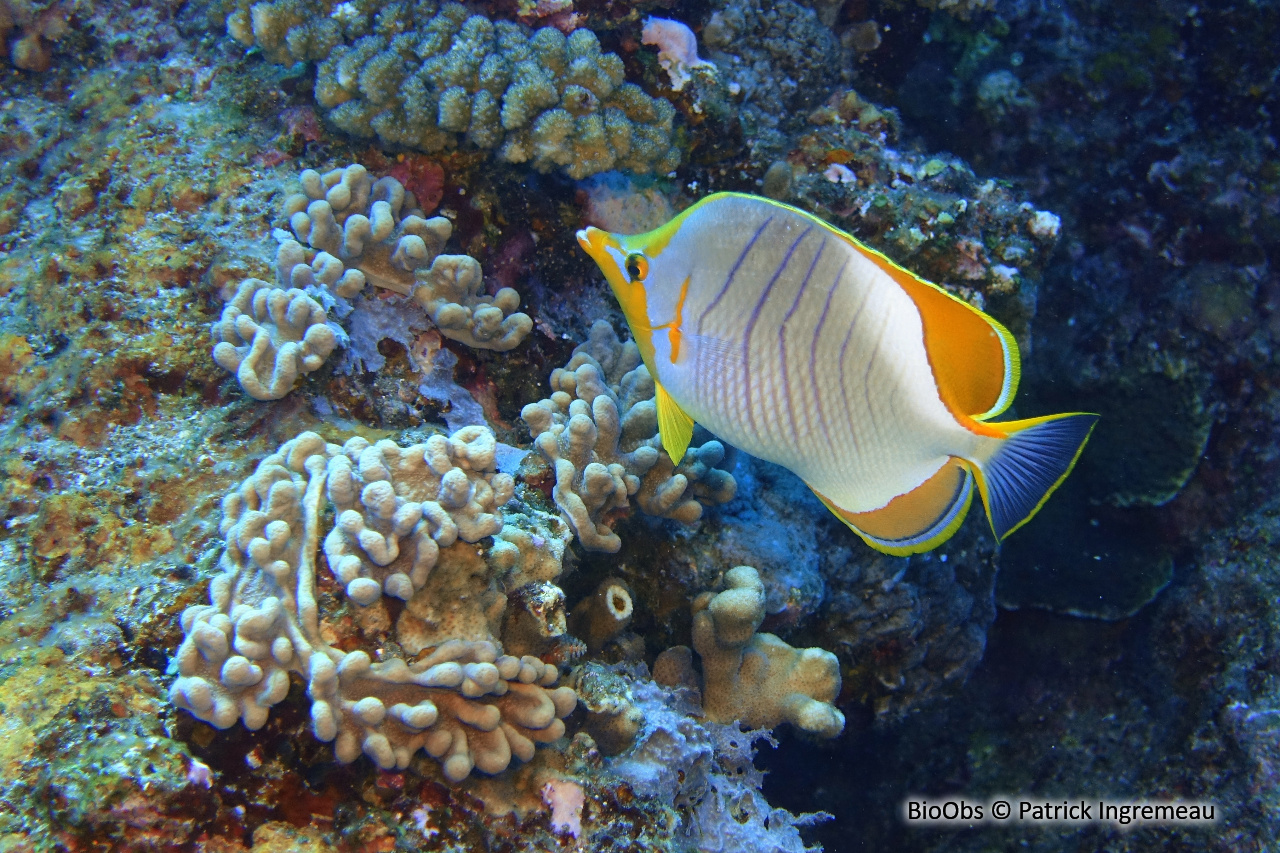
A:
674	425
918	521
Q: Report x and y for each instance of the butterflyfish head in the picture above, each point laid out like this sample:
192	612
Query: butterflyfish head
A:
625	266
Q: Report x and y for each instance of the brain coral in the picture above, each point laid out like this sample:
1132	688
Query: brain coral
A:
459	698
423	76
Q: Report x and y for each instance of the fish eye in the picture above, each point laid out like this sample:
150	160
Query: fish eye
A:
637	266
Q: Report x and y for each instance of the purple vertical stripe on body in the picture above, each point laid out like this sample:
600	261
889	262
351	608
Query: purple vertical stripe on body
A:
844	394
813	357
782	335
751	324
866	376
733	271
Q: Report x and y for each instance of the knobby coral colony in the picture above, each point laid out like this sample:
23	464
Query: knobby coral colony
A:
599	431
399	514
470	678
426	76
352	231
425	524
400	522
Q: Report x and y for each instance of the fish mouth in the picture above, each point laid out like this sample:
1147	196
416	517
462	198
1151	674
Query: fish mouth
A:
595	242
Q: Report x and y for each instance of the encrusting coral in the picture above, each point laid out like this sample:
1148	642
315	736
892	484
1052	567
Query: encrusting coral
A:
462	701
750	677
425	76
357	230
268	336
599	430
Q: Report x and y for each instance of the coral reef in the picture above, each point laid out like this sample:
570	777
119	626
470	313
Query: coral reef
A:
599	432
756	678
463	703
363	231
703	768
140	187
423	76
269	336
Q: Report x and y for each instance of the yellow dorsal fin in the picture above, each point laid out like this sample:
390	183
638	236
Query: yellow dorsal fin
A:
674	425
975	360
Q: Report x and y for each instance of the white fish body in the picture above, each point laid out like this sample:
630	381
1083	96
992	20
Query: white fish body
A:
797	344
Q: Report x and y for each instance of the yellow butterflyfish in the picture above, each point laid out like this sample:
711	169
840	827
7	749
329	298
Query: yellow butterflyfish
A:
798	344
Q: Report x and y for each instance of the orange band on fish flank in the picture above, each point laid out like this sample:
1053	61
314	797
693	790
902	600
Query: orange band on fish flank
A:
912	513
673	328
673	333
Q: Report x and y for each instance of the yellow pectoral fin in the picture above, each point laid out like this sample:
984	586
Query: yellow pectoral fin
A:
918	521
674	425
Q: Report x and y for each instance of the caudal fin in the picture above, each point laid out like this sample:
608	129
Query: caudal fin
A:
1023	468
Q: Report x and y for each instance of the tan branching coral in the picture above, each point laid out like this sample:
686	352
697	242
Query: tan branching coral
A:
396	507
352	230
463	704
679	491
268	336
757	678
599	430
450	294
462	701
